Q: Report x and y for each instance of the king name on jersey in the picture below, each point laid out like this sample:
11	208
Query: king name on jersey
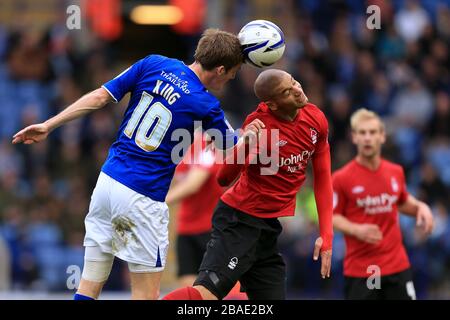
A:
167	89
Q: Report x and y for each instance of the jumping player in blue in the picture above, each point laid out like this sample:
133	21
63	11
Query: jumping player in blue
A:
128	217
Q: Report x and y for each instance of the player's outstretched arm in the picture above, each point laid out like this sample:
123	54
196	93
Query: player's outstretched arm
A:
420	210
323	193
86	104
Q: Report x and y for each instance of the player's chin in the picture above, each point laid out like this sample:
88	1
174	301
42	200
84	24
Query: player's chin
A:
369	153
301	104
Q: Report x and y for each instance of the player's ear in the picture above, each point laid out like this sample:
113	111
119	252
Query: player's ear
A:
354	137
272	105
383	136
220	70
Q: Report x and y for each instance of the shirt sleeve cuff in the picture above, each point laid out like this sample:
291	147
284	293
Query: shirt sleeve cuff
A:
115	100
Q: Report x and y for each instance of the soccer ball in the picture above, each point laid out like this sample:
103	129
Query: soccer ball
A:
262	42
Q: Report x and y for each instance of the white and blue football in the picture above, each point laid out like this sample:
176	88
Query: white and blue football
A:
262	42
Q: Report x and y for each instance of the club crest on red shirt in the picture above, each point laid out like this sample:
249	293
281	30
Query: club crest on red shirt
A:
313	135
394	184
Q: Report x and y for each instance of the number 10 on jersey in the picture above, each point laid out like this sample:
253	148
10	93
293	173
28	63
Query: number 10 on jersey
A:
148	140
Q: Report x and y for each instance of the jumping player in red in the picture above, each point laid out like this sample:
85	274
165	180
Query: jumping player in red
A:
368	193
243	243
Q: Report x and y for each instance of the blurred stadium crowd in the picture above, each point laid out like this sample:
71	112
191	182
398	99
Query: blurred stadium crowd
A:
400	71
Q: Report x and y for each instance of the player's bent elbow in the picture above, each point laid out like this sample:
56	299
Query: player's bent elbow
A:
100	97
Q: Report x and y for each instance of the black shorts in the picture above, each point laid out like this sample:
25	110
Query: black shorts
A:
190	251
397	286
244	248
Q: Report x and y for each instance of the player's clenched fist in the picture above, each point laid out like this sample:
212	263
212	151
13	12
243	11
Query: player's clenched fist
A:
252	130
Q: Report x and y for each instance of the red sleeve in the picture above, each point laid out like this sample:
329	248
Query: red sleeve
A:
323	193
339	200
322	140
181	168
230	170
403	196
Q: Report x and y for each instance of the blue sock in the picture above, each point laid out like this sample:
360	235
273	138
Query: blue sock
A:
78	296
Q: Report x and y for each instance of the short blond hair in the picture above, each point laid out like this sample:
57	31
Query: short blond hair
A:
362	115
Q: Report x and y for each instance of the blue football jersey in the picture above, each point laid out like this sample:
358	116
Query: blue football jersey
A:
166	95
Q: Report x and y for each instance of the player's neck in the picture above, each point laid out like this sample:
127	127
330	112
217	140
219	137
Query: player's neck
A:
284	115
371	163
200	73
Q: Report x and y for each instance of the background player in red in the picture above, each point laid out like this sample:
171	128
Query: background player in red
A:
245	226
368	193
196	188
